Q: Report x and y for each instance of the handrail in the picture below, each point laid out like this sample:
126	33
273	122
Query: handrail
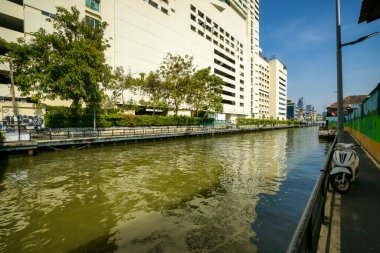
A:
306	235
134	131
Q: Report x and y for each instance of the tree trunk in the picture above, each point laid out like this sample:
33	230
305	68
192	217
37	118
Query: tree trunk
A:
75	106
176	109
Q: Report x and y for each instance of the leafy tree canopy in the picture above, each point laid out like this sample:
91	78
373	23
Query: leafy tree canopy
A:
205	92
153	87
176	72
121	82
68	63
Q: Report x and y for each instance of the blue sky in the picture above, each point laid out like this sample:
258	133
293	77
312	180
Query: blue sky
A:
302	34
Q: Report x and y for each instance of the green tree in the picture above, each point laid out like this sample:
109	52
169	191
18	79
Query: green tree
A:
68	63
176	72
214	89
122	82
154	89
205	92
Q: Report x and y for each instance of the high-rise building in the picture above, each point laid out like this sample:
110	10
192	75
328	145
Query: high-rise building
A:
198	28
260	89
278	89
309	108
300	104
290	109
222	34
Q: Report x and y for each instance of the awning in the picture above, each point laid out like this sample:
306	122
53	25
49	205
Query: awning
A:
370	11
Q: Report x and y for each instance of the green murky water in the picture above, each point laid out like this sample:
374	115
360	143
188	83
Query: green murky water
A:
185	195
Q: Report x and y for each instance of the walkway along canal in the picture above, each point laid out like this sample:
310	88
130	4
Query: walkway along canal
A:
240	193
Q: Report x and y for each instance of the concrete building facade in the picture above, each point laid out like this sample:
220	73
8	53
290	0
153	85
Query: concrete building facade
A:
261	90
278	89
217	33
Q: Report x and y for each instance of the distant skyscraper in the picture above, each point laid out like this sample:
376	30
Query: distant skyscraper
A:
300	103
309	108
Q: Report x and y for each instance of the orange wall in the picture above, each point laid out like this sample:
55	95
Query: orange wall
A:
370	145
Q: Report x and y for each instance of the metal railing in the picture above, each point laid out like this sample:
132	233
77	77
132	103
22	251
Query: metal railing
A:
61	134
306	235
77	133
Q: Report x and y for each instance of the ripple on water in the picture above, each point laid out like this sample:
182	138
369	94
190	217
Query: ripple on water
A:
188	195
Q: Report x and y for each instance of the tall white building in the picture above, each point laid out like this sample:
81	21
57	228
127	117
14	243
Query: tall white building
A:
278	89
260	91
222	34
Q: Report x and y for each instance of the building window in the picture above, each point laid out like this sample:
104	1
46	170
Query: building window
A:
163	10
224	56
228	102
216	61
92	21
227	93
224	74
48	14
93	4
229	85
19	2
11	23
154	4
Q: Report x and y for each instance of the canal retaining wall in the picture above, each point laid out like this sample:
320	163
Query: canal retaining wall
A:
60	139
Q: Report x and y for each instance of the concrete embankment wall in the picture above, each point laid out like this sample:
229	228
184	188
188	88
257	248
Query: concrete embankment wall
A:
64	139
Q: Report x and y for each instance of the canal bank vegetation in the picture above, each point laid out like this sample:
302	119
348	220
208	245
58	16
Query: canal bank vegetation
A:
61	117
175	85
257	122
68	63
2	136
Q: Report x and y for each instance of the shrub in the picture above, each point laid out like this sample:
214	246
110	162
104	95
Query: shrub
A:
59	117
252	122
2	137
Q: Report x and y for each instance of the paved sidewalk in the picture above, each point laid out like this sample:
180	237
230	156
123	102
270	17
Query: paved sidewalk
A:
355	221
360	208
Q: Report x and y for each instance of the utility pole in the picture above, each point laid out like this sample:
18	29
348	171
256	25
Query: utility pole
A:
339	74
339	46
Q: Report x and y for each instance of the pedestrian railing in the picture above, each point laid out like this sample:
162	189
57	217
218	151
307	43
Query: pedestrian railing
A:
78	133
306	235
60	134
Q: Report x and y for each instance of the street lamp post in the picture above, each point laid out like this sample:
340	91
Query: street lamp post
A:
339	74
339	46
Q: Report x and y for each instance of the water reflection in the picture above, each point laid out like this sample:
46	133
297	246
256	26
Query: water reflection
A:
193	195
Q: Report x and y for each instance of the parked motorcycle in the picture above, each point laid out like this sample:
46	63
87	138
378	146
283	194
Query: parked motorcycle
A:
344	167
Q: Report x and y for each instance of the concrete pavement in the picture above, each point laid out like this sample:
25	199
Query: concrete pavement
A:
354	217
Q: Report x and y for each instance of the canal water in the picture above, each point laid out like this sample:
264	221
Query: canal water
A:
236	193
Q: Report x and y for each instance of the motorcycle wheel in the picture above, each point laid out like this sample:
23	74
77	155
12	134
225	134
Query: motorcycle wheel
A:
340	185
